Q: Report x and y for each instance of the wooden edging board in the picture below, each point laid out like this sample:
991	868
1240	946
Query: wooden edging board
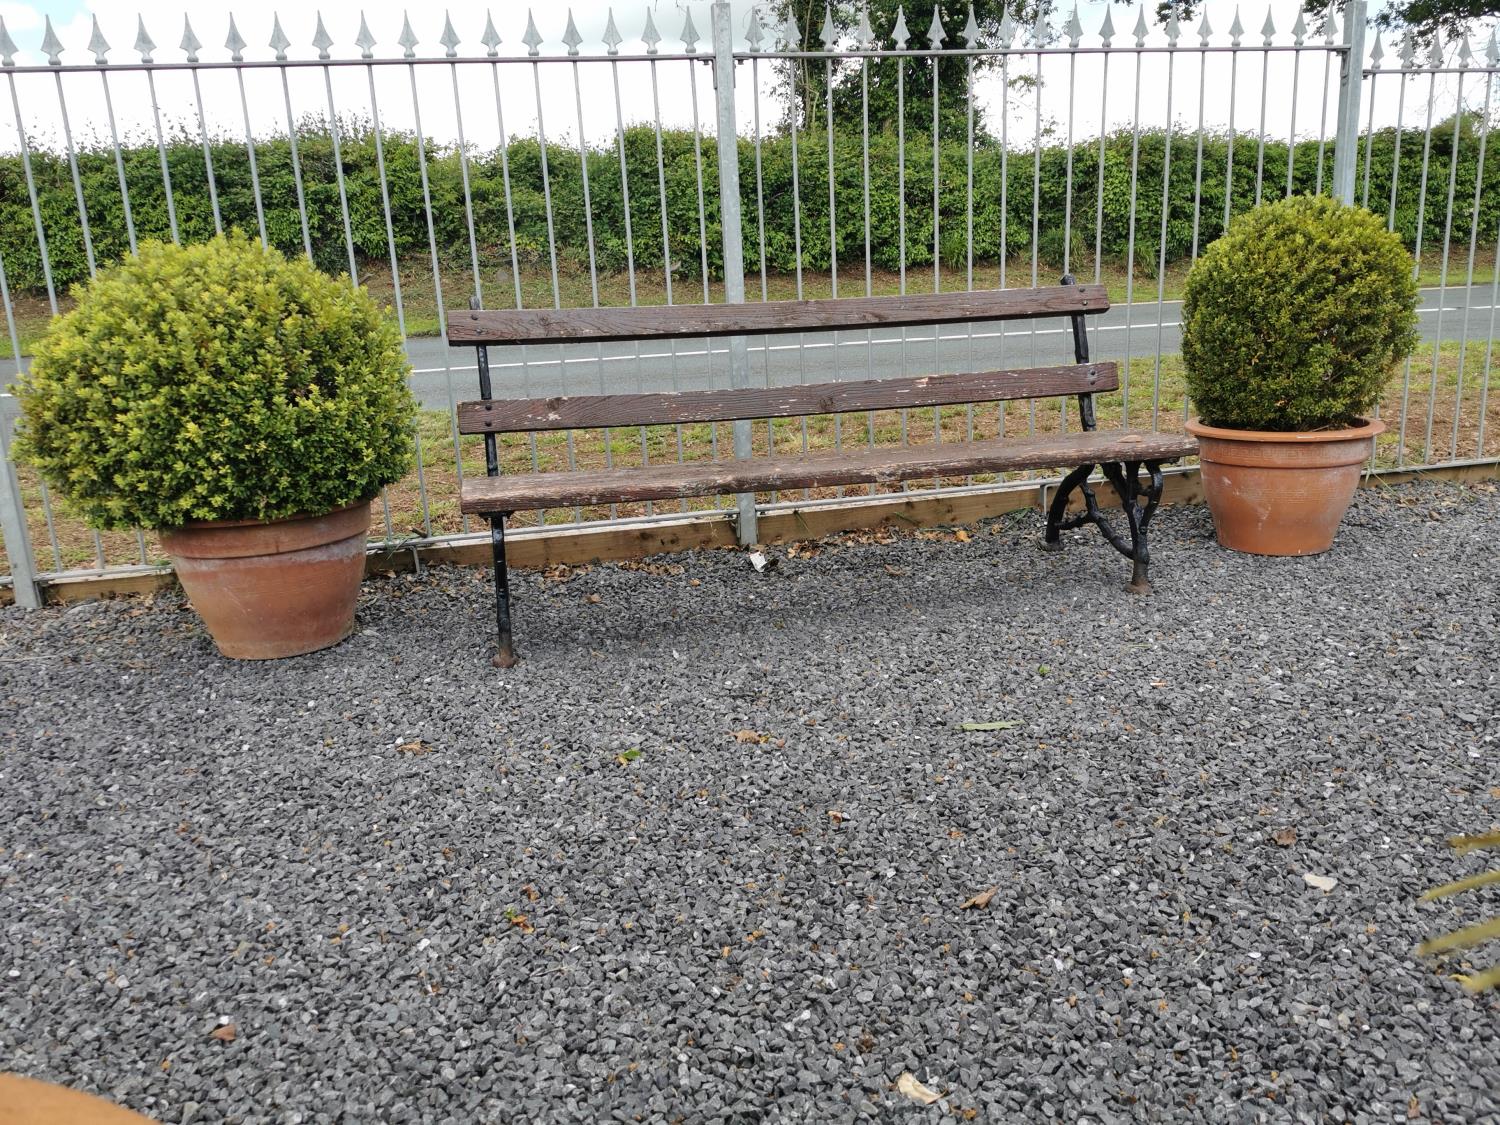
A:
539	547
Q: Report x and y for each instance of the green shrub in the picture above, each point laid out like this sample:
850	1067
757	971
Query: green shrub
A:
1294	318
216	381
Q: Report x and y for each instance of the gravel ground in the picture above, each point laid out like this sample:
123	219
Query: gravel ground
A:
703	856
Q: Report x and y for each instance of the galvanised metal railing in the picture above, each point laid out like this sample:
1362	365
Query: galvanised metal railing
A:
602	170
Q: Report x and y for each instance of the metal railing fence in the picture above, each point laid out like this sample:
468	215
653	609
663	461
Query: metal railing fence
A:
761	162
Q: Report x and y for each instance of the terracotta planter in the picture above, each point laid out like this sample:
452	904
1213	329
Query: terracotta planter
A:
1281	493
275	589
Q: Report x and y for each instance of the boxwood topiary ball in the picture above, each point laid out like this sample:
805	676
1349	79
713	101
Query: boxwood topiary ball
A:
1295	317
218	381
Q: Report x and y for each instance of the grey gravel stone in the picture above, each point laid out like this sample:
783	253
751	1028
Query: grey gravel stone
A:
503	922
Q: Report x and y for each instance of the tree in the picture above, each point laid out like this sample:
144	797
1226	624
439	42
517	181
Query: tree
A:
914	77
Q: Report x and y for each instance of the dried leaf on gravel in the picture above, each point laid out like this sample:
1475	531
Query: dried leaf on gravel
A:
593	599
628	756
1286	837
896	571
1002	724
908	1085
981	900
225	1034
747	735
415	746
961	535
1321	882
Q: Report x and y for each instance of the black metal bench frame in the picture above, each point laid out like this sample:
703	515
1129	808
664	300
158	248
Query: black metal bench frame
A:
1120	458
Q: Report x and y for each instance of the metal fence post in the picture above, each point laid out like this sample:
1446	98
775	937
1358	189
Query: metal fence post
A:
1351	82
13	531
730	224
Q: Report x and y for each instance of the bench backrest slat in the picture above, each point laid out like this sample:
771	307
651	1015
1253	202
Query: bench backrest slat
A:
668	322
498	416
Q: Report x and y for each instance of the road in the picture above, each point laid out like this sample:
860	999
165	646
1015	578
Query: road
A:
442	374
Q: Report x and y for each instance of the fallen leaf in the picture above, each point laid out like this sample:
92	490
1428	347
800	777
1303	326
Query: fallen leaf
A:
747	735
981	900
836	816
225	1034
628	756
416	746
1286	837
1321	882
895	571
1003	724
1495	792
961	535
908	1085
593	599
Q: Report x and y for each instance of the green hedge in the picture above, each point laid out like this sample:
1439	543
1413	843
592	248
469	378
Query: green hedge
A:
236	197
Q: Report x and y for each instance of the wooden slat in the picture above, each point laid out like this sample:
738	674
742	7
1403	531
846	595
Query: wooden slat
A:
778	474
590	411
666	322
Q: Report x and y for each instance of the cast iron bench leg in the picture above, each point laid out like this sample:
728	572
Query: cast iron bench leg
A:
1125	477
1059	508
506	656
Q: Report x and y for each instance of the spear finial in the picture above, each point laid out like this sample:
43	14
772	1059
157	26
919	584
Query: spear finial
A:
532	38
364	40
1299	29
491	37
1377	51
321	39
689	34
1236	29
900	33
51	45
408	39
1107	29
1204	31
1141	30
935	31
1267	29
971	30
143	42
449	38
651	37
100	46
613	39
189	44
1007	32
234	41
279	42
1174	29
864	34
8	46
571	36
1074	29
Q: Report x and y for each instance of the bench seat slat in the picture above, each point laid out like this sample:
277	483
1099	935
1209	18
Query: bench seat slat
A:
484	495
666	322
502	416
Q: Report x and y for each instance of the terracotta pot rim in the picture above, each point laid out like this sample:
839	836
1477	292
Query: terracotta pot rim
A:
1368	428
212	525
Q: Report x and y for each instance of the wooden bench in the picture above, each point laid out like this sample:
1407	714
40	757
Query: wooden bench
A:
1120	455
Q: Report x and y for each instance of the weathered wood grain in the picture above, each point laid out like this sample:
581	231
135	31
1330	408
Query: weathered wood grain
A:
667	322
777	474
583	412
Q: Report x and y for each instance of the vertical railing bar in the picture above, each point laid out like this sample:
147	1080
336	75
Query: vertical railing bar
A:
614	74
969	237
588	226
1135	165
1161	260
463	170
901	224
541	140
1437	332
83	211
1197	181
1369	141
833	239
437	279
161	150
15	351
114	136
1323	119
291	134
390	242
1390	218
1099	202
36	208
14	533
1234	83
260	210
708	350
1416	267
1036	213
1489	352
1004	207
1068	182
515	262
666	243
864	101
1291	134
937	250
1260	146
1463	346
760	230
208	157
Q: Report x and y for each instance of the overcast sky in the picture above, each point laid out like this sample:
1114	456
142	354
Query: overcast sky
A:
1258	92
